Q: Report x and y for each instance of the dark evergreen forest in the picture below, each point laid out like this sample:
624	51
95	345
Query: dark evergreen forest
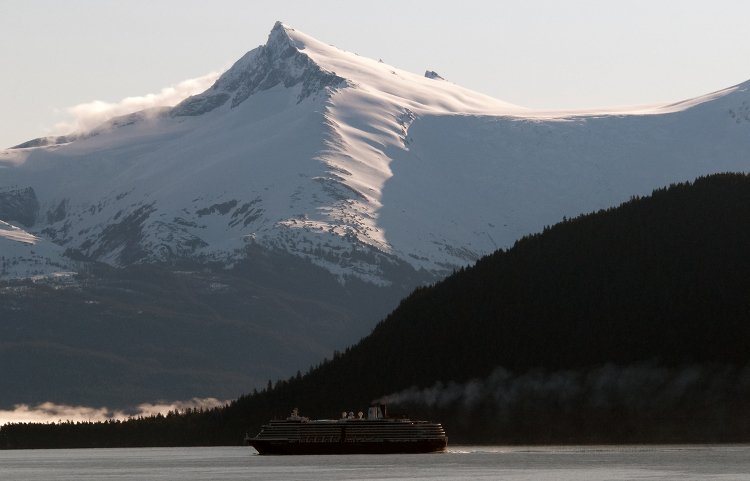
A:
655	292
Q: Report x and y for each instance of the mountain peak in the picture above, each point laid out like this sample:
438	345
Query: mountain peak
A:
279	61
279	41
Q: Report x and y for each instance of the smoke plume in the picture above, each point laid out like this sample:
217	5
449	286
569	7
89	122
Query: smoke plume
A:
84	117
50	412
637	388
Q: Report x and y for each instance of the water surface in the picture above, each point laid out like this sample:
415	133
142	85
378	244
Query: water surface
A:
580	463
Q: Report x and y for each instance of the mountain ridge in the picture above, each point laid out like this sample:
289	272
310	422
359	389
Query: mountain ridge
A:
355	120
279	61
384	181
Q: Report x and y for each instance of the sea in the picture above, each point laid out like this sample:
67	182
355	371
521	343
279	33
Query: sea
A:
580	463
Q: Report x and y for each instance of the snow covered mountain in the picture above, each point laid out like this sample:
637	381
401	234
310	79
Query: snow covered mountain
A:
346	161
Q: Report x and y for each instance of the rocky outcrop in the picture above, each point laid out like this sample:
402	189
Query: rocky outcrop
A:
45	141
19	205
279	61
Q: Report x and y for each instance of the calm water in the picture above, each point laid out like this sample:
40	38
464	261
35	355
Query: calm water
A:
462	463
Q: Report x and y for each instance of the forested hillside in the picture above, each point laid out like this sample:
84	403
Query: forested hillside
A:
116	337
625	325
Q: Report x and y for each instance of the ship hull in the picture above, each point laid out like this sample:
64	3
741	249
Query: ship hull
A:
279	447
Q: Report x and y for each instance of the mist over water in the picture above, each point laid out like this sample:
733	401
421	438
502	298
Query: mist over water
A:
51	413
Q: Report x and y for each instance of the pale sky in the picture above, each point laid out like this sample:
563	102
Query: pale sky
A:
55	55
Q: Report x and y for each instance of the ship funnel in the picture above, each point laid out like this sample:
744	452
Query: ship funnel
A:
376	411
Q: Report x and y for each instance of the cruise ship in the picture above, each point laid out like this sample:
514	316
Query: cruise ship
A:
352	434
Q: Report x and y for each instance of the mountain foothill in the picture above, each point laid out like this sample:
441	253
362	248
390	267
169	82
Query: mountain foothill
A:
521	275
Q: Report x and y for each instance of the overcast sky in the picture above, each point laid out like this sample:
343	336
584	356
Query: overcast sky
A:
540	54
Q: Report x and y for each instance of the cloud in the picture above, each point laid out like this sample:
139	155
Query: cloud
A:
50	412
84	117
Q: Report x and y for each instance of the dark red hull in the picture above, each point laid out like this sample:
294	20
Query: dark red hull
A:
383	447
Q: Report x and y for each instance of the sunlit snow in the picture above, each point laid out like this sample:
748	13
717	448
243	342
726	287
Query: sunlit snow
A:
344	153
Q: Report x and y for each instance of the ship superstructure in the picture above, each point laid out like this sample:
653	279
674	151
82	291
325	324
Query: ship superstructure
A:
351	434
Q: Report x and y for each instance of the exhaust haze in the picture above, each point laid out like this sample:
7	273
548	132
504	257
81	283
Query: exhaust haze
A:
638	387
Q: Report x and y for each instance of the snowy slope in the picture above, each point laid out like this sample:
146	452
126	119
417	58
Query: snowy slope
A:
356	165
25	255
